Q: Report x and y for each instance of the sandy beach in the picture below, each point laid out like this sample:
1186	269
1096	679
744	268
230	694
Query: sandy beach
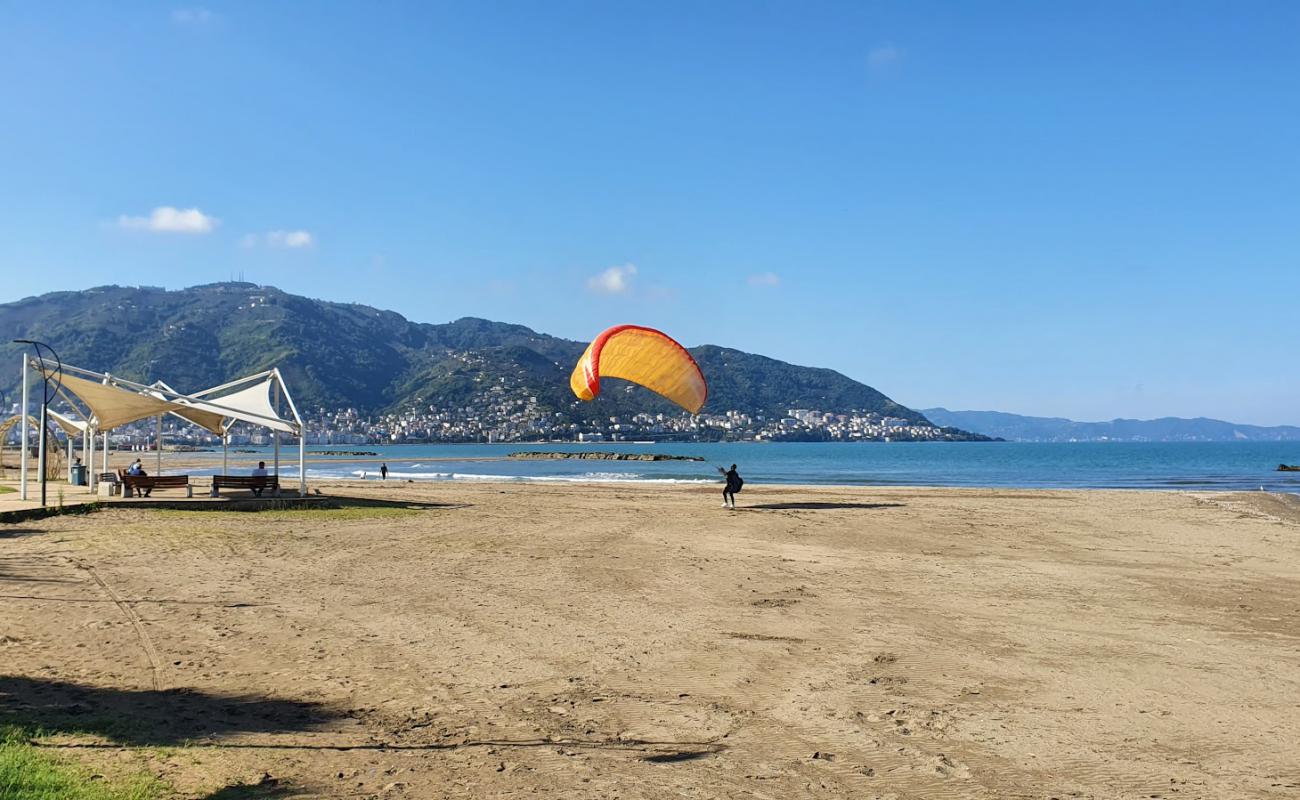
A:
491	640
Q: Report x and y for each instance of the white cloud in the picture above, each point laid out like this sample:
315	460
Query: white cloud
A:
883	56
166	219
290	239
294	239
764	279
615	280
192	16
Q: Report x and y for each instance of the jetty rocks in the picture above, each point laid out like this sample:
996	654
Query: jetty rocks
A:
342	452
605	456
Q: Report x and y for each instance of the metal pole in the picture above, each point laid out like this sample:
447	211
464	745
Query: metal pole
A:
41	458
158	442
275	434
302	463
26	393
69	459
46	397
90	459
225	442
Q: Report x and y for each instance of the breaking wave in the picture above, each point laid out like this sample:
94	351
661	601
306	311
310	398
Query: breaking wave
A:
585	477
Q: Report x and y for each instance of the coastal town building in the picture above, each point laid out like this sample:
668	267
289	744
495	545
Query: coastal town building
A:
524	422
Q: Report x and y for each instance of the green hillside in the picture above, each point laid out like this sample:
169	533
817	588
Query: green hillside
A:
337	355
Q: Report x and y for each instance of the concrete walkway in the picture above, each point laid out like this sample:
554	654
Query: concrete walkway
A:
12	506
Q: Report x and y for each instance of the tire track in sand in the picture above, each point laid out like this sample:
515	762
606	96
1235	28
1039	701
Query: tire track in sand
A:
149	650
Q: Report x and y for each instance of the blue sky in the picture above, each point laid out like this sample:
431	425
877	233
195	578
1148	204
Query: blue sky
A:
1079	209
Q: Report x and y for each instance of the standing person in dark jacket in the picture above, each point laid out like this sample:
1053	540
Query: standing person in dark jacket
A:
734	482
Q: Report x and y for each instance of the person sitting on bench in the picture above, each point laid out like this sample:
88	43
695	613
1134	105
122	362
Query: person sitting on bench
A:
136	470
260	472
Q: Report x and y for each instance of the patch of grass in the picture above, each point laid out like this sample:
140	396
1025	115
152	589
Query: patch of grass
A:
7	489
26	773
49	511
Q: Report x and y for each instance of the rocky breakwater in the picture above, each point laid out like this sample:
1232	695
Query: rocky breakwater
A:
532	456
342	452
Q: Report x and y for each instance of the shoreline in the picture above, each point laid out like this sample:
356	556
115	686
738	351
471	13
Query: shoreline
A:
1215	467
289	474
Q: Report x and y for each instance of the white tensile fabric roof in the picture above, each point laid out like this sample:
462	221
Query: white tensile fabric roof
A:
207	420
255	402
113	402
113	405
69	425
252	404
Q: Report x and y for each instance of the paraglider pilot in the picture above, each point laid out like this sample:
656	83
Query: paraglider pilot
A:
734	482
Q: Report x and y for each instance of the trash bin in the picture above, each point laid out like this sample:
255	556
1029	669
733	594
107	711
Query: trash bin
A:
78	476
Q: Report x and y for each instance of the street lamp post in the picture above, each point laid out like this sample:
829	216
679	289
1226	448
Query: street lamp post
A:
45	402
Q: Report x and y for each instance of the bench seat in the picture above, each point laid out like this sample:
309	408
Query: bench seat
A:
139	483
250	482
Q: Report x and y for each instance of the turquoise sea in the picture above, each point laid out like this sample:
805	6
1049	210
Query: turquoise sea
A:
1199	466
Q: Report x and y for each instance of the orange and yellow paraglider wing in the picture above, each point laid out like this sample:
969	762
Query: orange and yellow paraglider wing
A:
584	381
644	356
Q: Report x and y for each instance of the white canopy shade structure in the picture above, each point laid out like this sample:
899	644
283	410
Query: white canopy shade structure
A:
105	402
70	426
250	399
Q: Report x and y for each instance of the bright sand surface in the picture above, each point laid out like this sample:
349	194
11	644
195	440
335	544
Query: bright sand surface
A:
639	641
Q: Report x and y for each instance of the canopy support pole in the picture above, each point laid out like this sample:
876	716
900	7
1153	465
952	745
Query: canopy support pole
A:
70	449
225	442
41	460
275	406
302	463
157	439
93	478
26	392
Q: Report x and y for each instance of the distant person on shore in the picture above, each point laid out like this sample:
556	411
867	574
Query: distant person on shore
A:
260	472
734	482
383	472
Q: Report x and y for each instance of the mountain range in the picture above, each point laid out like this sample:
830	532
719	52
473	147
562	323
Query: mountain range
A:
340	355
1015	427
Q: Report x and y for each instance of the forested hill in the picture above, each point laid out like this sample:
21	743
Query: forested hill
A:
1018	428
337	355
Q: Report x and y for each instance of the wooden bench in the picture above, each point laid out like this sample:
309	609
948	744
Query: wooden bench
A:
147	483
254	483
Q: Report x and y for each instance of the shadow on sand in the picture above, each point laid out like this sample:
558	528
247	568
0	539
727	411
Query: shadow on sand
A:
316	503
812	506
148	717
342	501
253	791
27	570
15	533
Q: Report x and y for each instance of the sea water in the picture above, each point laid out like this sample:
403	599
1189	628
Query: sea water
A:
1129	465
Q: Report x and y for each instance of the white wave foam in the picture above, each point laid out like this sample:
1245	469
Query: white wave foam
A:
587	477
